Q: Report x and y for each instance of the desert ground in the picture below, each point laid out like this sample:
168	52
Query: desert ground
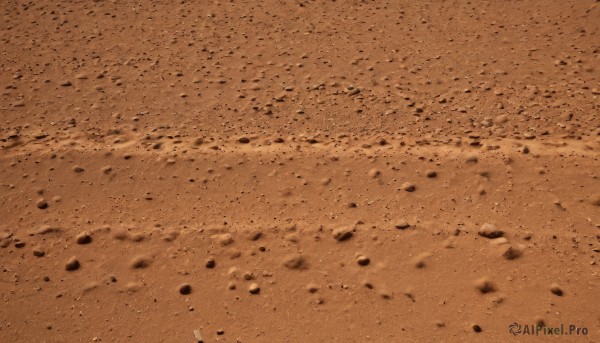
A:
300	171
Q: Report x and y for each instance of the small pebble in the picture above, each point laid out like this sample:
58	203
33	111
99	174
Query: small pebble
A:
409	187
556	290
42	204
72	264
312	288
488	230
363	260
511	253
385	294
139	262
254	288
84	238
431	173
373	173
295	262
419	260
484	285
185	289
472	159
342	234
402	225
367	284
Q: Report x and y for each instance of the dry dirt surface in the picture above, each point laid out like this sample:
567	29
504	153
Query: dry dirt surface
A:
299	171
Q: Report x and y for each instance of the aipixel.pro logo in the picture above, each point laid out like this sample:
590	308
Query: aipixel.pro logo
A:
543	330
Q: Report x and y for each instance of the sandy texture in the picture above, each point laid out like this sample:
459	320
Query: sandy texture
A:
299	171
